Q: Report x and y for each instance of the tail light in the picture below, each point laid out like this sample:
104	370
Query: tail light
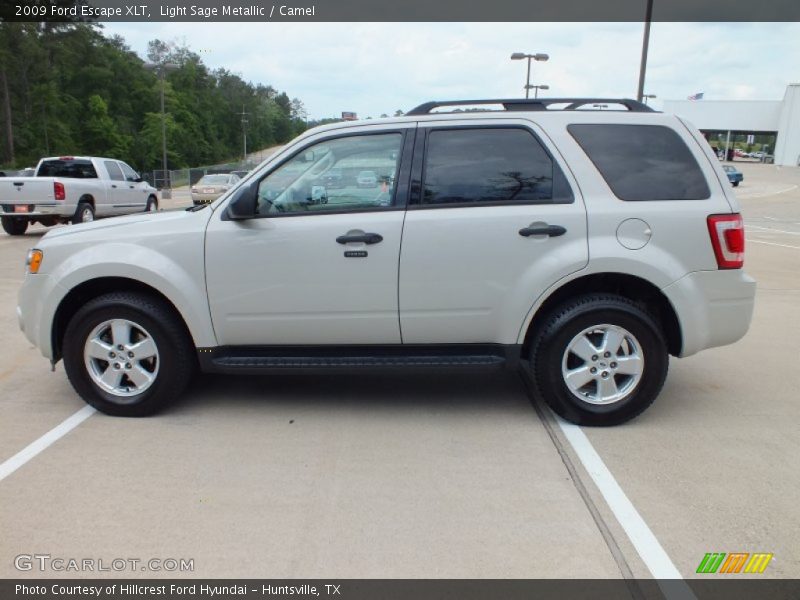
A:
58	190
727	238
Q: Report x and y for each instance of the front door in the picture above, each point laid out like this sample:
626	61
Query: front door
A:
319	263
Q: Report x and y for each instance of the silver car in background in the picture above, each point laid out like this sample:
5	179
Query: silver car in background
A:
211	187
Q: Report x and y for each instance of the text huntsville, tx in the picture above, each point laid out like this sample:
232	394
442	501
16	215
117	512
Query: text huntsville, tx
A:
170	11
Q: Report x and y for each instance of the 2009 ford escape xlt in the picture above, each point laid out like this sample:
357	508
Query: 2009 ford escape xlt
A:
585	246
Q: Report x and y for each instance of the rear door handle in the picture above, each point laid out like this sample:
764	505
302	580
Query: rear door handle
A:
551	230
367	238
113	186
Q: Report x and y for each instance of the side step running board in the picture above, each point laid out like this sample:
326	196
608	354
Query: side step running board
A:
272	358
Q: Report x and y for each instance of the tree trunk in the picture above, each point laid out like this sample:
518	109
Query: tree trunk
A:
7	111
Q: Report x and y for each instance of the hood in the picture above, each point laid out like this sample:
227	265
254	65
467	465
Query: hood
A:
120	226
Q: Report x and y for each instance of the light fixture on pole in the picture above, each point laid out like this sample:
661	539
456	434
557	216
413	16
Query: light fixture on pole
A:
161	69
539	87
646	96
539	56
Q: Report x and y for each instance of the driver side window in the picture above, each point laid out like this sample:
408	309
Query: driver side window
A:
349	173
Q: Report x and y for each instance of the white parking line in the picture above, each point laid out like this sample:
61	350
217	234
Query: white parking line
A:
645	542
751	240
773	230
55	434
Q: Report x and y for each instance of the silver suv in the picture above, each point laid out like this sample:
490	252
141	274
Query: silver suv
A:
582	246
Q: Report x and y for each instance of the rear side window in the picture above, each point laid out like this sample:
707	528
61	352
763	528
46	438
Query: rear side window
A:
114	172
490	165
642	162
77	169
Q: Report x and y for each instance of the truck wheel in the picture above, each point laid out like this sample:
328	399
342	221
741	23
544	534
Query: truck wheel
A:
128	354
84	214
152	204
14	226
735	184
599	360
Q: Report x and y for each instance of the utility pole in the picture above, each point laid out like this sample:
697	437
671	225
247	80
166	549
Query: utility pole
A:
244	133
645	45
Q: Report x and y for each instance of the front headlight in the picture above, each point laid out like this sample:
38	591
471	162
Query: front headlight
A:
34	260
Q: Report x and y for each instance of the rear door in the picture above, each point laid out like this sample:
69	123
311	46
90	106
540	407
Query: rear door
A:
494	219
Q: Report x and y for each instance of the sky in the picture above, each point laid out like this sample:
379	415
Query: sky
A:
375	68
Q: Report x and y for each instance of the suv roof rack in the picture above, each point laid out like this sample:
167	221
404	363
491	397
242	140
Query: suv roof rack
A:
518	104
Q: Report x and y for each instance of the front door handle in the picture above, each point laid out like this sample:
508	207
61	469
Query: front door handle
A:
367	238
551	230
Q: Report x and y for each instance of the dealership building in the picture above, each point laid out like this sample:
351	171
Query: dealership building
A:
725	118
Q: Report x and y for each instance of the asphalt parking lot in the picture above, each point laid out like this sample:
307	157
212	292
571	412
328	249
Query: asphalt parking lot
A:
420	475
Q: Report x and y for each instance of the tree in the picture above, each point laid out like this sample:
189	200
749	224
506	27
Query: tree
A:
100	135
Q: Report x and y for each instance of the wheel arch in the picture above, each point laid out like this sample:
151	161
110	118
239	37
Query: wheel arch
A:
93	288
637	289
88	198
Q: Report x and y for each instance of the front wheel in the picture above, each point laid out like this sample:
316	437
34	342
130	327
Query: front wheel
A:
599	360
14	226
735	184
152	204
127	354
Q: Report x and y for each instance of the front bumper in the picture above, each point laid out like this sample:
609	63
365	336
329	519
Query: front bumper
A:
31	312
714	308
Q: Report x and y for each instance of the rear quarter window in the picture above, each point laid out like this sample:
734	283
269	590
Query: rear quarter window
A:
642	162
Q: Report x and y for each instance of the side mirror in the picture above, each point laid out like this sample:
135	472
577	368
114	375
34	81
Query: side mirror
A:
243	204
138	179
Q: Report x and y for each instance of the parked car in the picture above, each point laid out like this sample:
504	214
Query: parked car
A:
334	179
73	189
367	179
734	175
551	241
211	187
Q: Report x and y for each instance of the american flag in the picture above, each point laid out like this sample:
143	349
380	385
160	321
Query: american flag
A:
697	96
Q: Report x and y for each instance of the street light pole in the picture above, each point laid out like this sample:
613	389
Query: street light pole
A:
166	192
162	68
539	56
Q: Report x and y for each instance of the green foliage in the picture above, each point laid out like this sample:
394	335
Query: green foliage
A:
71	90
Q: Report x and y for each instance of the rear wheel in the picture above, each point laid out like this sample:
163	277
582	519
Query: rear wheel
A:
14	226
599	360
84	213
127	354
735	184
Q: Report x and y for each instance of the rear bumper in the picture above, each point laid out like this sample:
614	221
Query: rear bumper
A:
37	210
714	308
205	198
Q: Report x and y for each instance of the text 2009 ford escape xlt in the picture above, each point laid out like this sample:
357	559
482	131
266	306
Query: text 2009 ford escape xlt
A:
584	246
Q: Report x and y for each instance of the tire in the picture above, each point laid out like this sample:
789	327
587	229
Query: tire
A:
14	226
83	214
152	204
735	184
162	370
598	319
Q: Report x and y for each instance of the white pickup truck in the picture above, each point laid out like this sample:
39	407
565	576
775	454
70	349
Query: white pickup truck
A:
73	189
